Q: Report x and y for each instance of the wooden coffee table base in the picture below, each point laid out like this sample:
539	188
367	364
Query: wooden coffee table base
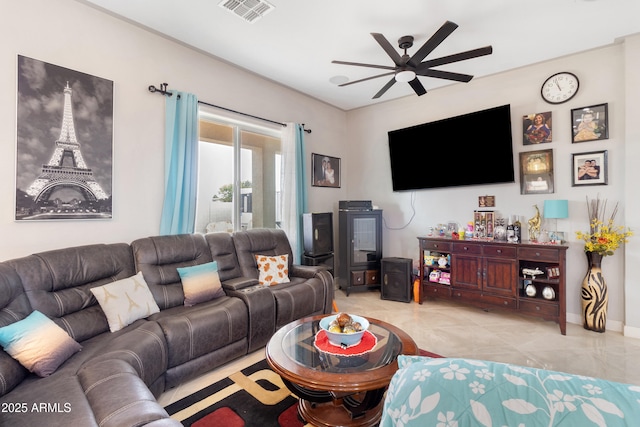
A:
334	413
323	408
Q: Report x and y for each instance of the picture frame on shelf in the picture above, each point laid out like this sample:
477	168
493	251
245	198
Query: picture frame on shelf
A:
325	171
536	128
536	172
590	168
590	123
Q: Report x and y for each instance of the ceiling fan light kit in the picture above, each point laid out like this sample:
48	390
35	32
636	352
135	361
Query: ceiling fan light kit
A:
407	68
405	76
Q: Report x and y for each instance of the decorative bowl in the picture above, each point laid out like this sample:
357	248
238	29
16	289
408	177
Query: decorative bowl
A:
340	339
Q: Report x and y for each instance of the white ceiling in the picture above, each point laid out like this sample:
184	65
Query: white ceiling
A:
295	43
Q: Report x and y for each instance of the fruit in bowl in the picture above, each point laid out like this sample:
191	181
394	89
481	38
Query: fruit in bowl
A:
344	330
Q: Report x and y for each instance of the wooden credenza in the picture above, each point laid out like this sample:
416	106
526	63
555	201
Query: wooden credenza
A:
489	274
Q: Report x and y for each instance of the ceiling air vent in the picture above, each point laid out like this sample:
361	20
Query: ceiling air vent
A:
249	10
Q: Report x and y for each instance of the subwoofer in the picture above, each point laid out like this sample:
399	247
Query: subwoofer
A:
396	279
318	233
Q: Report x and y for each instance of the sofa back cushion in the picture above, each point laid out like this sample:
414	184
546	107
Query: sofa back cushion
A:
159	257
260	241
57	283
223	252
14	306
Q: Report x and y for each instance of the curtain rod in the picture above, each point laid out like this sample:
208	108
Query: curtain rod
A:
163	91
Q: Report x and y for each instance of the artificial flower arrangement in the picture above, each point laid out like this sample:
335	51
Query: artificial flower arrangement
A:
604	237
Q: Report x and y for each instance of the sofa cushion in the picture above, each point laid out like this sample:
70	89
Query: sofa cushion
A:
57	283
159	257
200	283
125	301
195	331
38	344
14	306
272	269
117	395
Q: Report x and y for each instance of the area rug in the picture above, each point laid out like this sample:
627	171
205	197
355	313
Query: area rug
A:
254	396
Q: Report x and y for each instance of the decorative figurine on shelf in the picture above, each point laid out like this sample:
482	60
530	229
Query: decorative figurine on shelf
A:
534	225
442	262
533	272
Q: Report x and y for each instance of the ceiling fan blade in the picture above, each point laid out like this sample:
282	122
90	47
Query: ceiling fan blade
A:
367	78
417	87
391	51
359	64
473	53
385	88
437	38
447	75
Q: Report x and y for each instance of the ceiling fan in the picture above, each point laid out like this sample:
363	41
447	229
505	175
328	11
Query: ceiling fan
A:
407	68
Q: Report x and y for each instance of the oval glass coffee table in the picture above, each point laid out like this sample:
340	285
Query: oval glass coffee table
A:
337	390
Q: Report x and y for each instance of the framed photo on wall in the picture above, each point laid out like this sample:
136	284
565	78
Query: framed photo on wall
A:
589	168
590	123
64	143
536	128
325	170
536	172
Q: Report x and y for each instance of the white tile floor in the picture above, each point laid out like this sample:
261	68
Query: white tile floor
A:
457	330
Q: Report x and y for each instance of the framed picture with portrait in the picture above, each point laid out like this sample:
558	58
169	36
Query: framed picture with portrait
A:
536	128
589	168
536	172
590	123
325	171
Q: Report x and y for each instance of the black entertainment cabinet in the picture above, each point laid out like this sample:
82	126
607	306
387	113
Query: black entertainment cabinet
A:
359	246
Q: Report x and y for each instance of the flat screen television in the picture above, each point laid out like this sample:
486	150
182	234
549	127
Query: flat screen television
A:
471	149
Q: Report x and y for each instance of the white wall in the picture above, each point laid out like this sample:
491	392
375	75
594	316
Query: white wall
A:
73	35
601	73
632	177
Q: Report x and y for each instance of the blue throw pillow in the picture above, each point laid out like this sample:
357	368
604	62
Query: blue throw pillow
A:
200	283
38	343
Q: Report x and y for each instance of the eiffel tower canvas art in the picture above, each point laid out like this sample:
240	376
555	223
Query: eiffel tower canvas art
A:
64	154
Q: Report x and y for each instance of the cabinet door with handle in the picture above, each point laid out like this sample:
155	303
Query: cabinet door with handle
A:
467	271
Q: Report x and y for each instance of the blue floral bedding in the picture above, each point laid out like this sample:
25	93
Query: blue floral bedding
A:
447	392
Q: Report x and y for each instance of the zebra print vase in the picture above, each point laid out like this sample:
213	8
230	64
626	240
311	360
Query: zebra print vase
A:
595	296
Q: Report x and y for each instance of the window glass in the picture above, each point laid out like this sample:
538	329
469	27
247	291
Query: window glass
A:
239	177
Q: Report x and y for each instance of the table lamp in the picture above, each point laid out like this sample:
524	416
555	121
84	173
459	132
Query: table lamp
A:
555	209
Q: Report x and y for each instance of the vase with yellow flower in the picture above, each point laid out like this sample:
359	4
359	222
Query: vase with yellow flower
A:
603	239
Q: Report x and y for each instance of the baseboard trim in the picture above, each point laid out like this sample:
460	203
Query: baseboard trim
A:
612	325
631	332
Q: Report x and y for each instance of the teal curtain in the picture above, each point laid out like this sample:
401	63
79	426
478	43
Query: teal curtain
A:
180	164
301	185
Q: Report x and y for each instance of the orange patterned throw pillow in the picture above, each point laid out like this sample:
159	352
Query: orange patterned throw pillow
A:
273	269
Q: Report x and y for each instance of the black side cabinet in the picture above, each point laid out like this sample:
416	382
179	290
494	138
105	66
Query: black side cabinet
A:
318	239
359	249
396	279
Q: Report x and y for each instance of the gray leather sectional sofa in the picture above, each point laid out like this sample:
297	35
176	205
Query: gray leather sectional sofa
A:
114	379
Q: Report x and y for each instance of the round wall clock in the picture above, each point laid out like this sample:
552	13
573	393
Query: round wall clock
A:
560	88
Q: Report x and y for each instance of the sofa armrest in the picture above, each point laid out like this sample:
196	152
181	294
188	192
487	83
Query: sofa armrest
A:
261	305
238	283
305	271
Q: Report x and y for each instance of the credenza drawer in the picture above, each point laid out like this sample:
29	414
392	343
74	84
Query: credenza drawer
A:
496	251
467	248
539	307
437	290
483	299
539	254
436	245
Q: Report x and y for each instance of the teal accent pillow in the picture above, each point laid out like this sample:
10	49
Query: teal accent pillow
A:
200	283
38	343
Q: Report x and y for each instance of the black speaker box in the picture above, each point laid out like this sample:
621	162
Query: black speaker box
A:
318	233
396	279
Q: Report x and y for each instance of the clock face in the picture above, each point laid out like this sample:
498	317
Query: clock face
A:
560	88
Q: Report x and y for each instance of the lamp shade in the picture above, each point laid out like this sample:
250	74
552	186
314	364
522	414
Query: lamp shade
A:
556	209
